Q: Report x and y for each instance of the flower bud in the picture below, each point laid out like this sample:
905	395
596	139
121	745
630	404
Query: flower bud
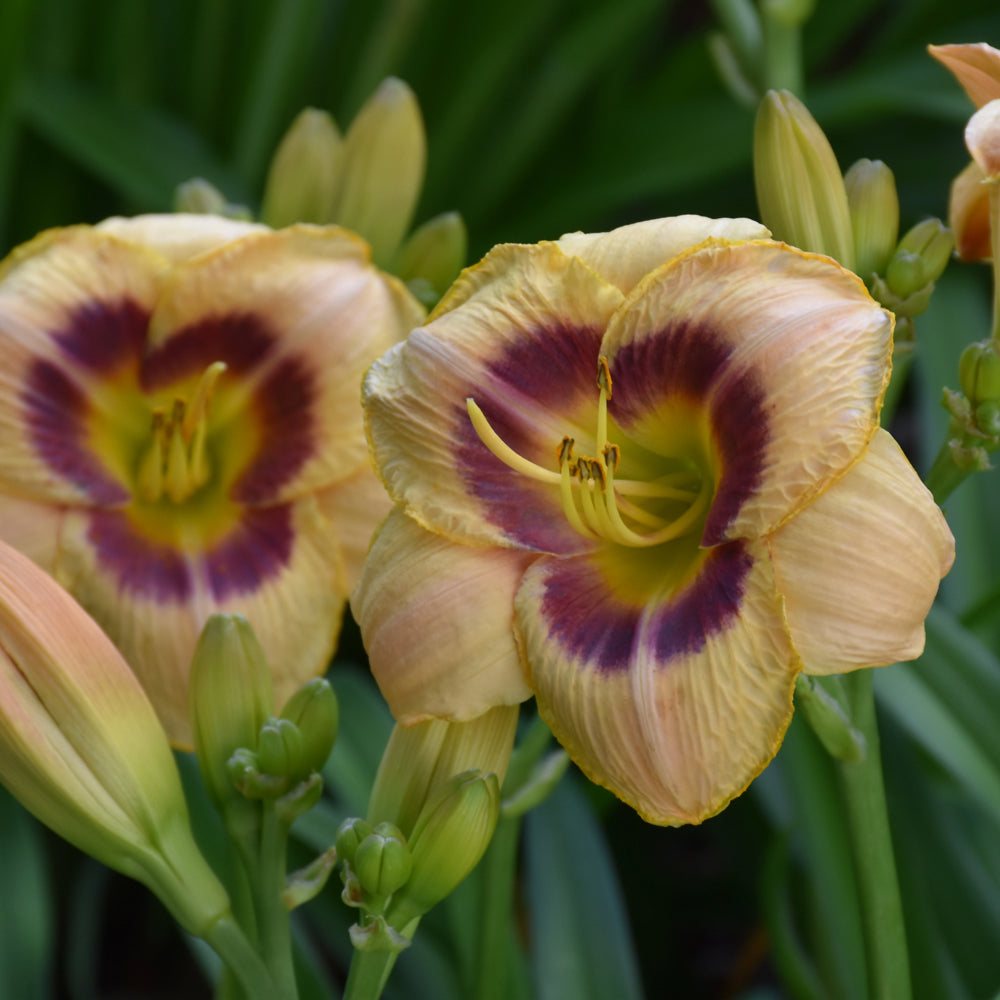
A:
231	698
874	208
969	214
829	720
800	190
385	152
304	175
82	749
350	833
200	197
979	372
434	252
382	861
916	265
982	139
279	752
314	711
450	836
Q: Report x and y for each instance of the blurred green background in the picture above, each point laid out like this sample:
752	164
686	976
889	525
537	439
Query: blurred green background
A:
546	116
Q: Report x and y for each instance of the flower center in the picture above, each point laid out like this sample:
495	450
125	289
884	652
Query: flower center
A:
634	512
173	463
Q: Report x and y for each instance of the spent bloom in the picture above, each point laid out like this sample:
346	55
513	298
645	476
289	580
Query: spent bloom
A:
82	749
183	434
656	452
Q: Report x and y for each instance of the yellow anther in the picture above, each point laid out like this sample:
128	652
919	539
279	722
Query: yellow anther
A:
197	409
612	456
565	451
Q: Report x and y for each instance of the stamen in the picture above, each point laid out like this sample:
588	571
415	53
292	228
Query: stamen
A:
197	409
503	451
150	475
567	469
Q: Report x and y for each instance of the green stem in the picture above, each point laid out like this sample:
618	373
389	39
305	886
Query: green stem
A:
243	963
273	925
863	792
369	974
945	476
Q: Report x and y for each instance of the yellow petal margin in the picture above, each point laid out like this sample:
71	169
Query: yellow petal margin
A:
436	619
860	566
676	739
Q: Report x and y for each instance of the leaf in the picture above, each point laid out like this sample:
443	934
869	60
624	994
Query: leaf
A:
581	945
141	153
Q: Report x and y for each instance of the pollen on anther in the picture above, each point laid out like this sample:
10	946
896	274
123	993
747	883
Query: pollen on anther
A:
604	375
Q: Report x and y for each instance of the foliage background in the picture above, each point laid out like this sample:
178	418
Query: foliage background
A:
545	116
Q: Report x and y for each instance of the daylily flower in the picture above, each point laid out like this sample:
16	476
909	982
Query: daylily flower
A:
977	69
183	434
656	452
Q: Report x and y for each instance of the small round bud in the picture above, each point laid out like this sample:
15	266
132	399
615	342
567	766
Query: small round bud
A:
988	418
382	861
979	372
350	833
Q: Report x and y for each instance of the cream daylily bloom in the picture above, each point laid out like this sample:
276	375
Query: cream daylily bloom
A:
183	434
649	490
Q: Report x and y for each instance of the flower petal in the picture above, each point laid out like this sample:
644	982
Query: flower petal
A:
355	507
859	567
784	353
675	702
436	619
982	139
976	67
74	306
969	214
297	316
179	236
278	567
519	333
627	254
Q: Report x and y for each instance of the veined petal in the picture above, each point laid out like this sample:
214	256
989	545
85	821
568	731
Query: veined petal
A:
627	254
982	139
519	333
297	316
34	529
784	353
969	214
976	66
860	565
676	702
74	306
432	658
278	567
179	235
355	507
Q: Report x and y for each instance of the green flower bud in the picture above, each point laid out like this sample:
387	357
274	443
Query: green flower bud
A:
200	197
350	833
435	252
280	750
979	372
450	836
874	208
314	710
918	262
231	698
988	419
790	13
934	242
304	175
385	153
800	190
382	861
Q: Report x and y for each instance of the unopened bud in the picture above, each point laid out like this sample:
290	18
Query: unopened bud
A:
231	697
314	711
279	750
435	253
969	214
385	153
304	176
200	197
450	836
874	207
350	833
979	372
829	720
982	138
382	861
800	190
921	257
